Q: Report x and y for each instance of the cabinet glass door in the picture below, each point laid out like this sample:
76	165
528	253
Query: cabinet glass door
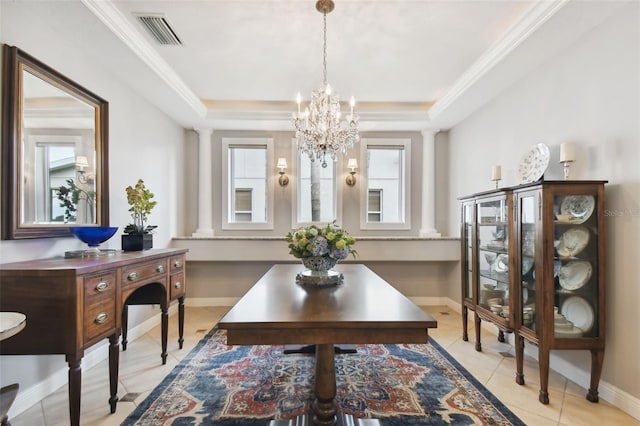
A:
527	219
493	259
576	266
468	244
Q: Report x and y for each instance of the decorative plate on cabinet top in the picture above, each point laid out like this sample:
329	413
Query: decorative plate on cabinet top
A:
534	163
575	274
573	241
580	207
579	312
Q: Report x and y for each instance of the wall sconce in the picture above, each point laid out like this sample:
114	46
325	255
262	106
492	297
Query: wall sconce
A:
283	180
81	164
352	165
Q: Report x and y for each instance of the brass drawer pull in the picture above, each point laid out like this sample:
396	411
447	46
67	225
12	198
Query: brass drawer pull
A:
178	284
102	286
160	268
177	264
132	276
101	318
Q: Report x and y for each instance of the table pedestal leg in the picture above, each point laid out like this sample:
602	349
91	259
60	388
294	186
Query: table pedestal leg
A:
324	407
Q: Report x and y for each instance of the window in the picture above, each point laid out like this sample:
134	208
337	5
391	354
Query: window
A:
317	196
247	183
385	195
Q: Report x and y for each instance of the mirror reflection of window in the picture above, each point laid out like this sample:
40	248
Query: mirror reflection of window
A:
317	194
247	170
385	197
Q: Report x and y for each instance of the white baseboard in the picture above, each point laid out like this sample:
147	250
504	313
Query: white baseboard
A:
28	397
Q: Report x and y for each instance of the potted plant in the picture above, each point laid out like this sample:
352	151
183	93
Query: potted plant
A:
138	236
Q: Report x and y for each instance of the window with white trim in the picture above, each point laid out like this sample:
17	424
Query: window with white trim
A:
247	183
317	195
385	196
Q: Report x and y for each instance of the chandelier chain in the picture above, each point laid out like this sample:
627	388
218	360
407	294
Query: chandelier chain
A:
324	52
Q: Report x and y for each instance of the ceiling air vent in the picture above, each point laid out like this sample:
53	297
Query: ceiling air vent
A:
159	28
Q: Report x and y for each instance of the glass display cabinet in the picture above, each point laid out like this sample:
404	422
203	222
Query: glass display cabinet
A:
560	264
487	266
533	264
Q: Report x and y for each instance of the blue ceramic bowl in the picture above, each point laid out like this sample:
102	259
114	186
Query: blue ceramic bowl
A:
93	235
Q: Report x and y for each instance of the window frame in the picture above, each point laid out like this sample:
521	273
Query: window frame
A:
295	171
227	144
405	144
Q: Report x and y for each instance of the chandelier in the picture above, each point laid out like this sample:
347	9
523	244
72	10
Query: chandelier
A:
320	130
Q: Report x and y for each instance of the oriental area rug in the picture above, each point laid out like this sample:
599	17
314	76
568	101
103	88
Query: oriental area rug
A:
399	384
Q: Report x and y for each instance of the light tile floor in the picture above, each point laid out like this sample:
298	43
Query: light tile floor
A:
141	370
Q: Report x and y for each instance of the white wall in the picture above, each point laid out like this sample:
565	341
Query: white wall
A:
143	143
590	95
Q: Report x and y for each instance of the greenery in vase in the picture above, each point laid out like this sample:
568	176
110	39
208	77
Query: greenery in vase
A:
70	196
139	198
329	241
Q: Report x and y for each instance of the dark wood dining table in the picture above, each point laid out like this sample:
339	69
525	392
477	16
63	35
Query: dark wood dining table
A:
363	309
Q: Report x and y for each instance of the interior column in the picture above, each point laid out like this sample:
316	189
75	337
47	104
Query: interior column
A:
428	226
205	184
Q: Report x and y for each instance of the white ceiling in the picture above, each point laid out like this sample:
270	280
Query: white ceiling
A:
411	64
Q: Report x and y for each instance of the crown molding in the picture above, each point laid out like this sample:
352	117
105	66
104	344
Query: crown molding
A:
109	14
536	16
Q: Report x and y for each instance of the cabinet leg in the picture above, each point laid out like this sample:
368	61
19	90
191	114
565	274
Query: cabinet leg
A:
125	323
478	323
501	338
114	355
597	358
465	333
165	329
519	359
543	361
180	321
75	383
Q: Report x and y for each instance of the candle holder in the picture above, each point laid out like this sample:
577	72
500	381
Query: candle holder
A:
496	181
566	168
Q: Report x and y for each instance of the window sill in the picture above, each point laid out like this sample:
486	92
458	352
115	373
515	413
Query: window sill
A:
274	249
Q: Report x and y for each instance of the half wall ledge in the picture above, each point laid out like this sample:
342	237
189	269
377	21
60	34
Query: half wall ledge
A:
274	249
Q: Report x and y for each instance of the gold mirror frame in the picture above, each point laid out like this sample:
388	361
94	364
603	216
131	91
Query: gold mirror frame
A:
15	61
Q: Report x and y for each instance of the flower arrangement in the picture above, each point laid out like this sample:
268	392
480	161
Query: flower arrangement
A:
139	198
313	241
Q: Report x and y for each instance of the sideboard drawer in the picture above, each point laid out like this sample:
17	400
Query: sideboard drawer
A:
177	264
97	286
99	317
135	274
178	287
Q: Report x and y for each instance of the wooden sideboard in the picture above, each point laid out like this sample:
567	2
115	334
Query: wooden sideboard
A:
74	303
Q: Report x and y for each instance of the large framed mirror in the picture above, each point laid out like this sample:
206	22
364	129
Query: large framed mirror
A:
54	151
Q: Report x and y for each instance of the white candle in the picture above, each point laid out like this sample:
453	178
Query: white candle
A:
567	152
496	173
